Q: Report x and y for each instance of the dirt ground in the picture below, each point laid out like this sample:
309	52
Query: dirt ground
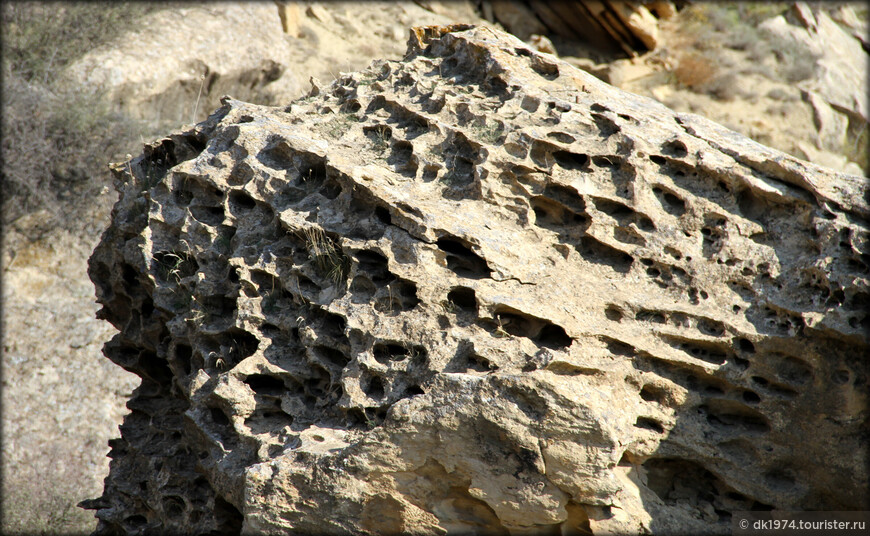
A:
62	400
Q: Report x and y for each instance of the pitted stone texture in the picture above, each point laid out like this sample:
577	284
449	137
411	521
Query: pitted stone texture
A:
480	290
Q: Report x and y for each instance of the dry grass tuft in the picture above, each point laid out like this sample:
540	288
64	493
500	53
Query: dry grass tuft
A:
57	138
695	71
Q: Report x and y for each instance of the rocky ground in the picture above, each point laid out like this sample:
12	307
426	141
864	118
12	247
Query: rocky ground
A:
62	400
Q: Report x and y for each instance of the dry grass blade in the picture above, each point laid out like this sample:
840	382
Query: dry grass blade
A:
329	259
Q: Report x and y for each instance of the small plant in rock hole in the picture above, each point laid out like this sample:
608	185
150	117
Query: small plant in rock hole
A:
499	330
453	176
380	137
270	299
175	265
197	314
218	362
371	423
489	131
449	306
328	258
366	78
182	299
151	178
270	302
174	268
223	243
336	127
153	174
390	303
415	352
296	293
304	177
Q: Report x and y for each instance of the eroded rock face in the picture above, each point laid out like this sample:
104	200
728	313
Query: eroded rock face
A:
480	290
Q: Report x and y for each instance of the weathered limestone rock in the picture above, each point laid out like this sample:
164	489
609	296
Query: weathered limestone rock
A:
629	26
481	290
837	57
288	12
180	60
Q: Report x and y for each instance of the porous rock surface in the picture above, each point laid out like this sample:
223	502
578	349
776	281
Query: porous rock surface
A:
478	290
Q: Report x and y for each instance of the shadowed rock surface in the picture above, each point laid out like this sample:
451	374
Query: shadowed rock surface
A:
481	290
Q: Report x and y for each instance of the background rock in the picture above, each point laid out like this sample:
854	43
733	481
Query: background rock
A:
631	27
479	288
838	56
786	80
184	59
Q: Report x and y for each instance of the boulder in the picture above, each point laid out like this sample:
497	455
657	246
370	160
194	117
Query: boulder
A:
629	27
832	126
479	289
846	16
517	17
288	12
838	59
178	62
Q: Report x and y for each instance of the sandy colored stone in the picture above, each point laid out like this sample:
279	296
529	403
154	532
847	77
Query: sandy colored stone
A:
178	62
840	61
832	125
518	18
288	13
480	289
638	19
756	92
